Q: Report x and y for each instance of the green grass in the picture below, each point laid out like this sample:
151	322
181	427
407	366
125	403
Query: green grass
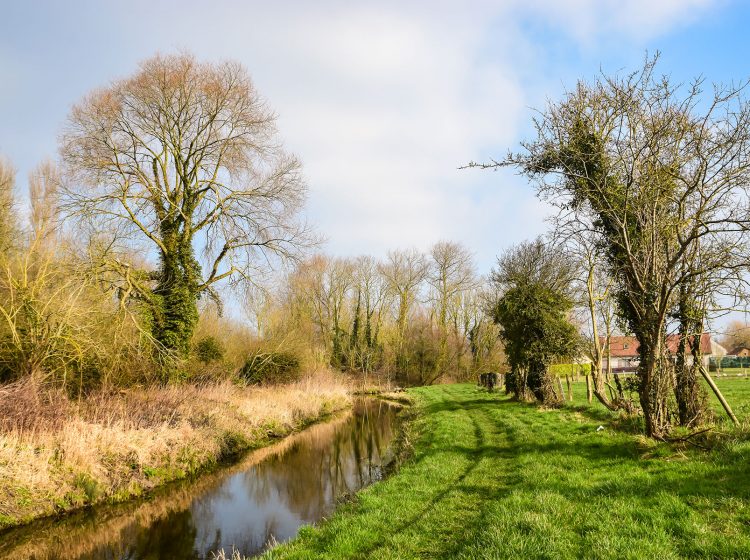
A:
569	369
490	478
733	371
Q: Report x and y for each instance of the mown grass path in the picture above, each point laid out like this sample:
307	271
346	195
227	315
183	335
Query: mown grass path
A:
491	478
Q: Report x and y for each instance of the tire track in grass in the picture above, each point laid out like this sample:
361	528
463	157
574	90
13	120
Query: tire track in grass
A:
407	534
457	515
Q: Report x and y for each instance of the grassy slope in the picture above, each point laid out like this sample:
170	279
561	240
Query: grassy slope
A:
495	479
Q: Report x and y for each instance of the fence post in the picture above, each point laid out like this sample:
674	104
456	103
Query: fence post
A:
722	400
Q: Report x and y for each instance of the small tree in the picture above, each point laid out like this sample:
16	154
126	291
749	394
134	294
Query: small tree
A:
183	156
532	311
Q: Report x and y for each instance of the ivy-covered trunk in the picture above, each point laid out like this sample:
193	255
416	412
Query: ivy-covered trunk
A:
654	383
687	391
515	382
541	383
690	399
175	301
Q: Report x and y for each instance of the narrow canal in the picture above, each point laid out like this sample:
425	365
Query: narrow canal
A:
263	499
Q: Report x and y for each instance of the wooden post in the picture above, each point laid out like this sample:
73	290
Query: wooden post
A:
562	390
589	395
719	396
570	388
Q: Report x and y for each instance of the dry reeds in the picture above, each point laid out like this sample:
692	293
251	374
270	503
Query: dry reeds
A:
57	454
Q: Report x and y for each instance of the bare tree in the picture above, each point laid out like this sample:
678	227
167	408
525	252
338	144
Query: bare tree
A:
8	225
736	333
451	273
405	271
44	191
372	286
475	328
595	290
184	156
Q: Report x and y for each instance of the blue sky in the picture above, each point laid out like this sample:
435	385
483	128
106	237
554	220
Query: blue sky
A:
381	100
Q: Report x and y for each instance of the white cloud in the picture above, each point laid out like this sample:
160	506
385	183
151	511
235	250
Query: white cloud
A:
591	20
383	101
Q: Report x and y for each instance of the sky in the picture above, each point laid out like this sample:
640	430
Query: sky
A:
382	101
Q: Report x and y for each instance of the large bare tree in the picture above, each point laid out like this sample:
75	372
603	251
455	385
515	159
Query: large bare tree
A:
185	157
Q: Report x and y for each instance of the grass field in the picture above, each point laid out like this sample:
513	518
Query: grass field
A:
491	478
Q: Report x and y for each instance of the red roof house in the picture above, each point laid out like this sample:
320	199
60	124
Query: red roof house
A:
624	349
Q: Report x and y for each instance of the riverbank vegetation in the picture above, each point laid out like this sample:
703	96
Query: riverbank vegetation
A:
59	454
491	477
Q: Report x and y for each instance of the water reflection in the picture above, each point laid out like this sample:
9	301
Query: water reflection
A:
266	497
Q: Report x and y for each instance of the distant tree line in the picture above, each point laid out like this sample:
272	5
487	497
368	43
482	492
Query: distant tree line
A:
411	317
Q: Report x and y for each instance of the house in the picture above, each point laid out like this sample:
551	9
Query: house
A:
740	351
625	357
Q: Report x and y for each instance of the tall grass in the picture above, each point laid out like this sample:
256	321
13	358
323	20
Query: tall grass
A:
57	454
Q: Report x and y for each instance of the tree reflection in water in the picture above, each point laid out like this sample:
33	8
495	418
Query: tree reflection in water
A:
268	496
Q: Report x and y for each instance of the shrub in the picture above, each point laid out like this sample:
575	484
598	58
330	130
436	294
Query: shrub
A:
208	350
268	368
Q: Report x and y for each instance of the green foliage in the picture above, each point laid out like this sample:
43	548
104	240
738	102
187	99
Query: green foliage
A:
88	485
532	313
534	324
208	349
268	368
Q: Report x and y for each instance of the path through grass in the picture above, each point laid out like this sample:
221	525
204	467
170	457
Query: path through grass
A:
491	478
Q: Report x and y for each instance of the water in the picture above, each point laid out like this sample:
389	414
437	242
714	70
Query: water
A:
265	498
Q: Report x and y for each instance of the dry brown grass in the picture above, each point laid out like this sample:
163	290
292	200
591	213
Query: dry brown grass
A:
43	541
57	454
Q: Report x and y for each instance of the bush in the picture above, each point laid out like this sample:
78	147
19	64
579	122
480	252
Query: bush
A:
208	350
269	368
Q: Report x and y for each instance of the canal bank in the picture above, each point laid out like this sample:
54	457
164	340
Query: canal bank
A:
59	456
262	499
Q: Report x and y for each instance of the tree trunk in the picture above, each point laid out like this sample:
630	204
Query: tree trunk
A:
690	401
541	384
599	391
174	305
654	385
